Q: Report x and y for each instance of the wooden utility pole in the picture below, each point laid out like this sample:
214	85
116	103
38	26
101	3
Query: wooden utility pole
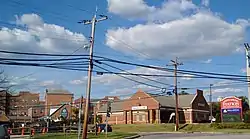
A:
176	64
86	113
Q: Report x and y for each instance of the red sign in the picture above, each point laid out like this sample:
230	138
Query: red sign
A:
231	102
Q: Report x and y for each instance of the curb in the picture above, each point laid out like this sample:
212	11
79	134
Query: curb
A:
133	137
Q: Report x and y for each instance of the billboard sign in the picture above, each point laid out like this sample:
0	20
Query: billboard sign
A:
231	109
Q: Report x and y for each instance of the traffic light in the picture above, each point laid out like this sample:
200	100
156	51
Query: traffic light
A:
108	108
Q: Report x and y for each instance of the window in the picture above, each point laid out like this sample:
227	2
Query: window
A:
137	118
143	118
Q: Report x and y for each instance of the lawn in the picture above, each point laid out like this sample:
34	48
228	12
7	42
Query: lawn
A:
114	135
171	127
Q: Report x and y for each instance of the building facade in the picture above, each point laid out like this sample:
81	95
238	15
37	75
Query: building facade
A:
54	99
21	103
144	108
5	99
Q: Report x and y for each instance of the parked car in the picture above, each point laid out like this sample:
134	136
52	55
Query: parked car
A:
4	132
103	127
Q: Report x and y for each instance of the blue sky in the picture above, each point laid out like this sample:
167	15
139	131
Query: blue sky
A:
205	35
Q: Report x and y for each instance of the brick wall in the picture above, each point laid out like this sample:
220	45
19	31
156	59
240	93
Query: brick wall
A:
57	99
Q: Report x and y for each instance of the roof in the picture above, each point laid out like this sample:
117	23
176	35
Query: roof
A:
4	118
169	101
58	91
115	107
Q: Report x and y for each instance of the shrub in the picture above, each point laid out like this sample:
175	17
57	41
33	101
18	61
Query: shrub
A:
231	125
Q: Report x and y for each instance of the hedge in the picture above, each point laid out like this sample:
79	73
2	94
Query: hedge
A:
231	125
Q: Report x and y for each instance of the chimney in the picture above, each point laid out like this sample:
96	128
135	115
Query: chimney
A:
199	92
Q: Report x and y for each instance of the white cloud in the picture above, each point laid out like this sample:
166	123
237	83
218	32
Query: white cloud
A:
48	83
117	82
76	82
196	35
227	90
208	61
187	77
122	91
134	9
32	34
205	3
243	70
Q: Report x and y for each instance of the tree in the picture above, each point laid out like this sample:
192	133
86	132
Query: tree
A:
245	105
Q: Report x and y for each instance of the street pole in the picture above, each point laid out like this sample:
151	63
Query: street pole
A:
70	118
93	23
95	120
211	105
176	64
106	126
79	118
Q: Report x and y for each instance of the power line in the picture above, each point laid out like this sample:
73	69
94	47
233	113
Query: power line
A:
135	75
134	64
130	78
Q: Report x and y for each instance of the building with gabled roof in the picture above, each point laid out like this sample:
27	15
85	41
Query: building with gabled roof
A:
143	107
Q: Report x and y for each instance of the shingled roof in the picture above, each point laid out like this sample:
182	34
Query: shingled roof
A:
115	107
169	101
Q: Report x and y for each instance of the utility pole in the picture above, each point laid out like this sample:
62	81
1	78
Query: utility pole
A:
79	118
93	23
108	115
211	105
95	119
176	64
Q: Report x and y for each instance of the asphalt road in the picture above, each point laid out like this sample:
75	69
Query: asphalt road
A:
194	136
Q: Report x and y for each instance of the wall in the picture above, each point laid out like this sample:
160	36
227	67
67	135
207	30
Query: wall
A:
22	102
141	98
115	118
56	100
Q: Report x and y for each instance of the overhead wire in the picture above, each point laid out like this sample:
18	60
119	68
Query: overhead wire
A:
135	75
128	78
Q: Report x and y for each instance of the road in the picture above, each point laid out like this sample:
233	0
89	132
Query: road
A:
194	136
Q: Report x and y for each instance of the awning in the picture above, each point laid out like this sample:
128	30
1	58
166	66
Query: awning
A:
4	118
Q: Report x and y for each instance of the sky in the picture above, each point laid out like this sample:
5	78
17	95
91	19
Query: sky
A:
205	35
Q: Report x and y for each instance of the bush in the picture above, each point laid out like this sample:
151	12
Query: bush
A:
231	125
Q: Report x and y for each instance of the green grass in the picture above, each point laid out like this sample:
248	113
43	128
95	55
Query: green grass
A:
170	128
143	127
114	135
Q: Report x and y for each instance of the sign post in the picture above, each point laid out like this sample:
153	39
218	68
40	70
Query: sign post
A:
231	109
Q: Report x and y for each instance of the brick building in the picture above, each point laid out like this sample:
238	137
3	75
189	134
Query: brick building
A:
5	102
55	99
37	111
143	107
21	103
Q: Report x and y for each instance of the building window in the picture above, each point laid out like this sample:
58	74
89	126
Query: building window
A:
137	118
143	118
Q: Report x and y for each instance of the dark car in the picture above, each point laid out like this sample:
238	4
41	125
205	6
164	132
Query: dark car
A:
4	132
103	127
